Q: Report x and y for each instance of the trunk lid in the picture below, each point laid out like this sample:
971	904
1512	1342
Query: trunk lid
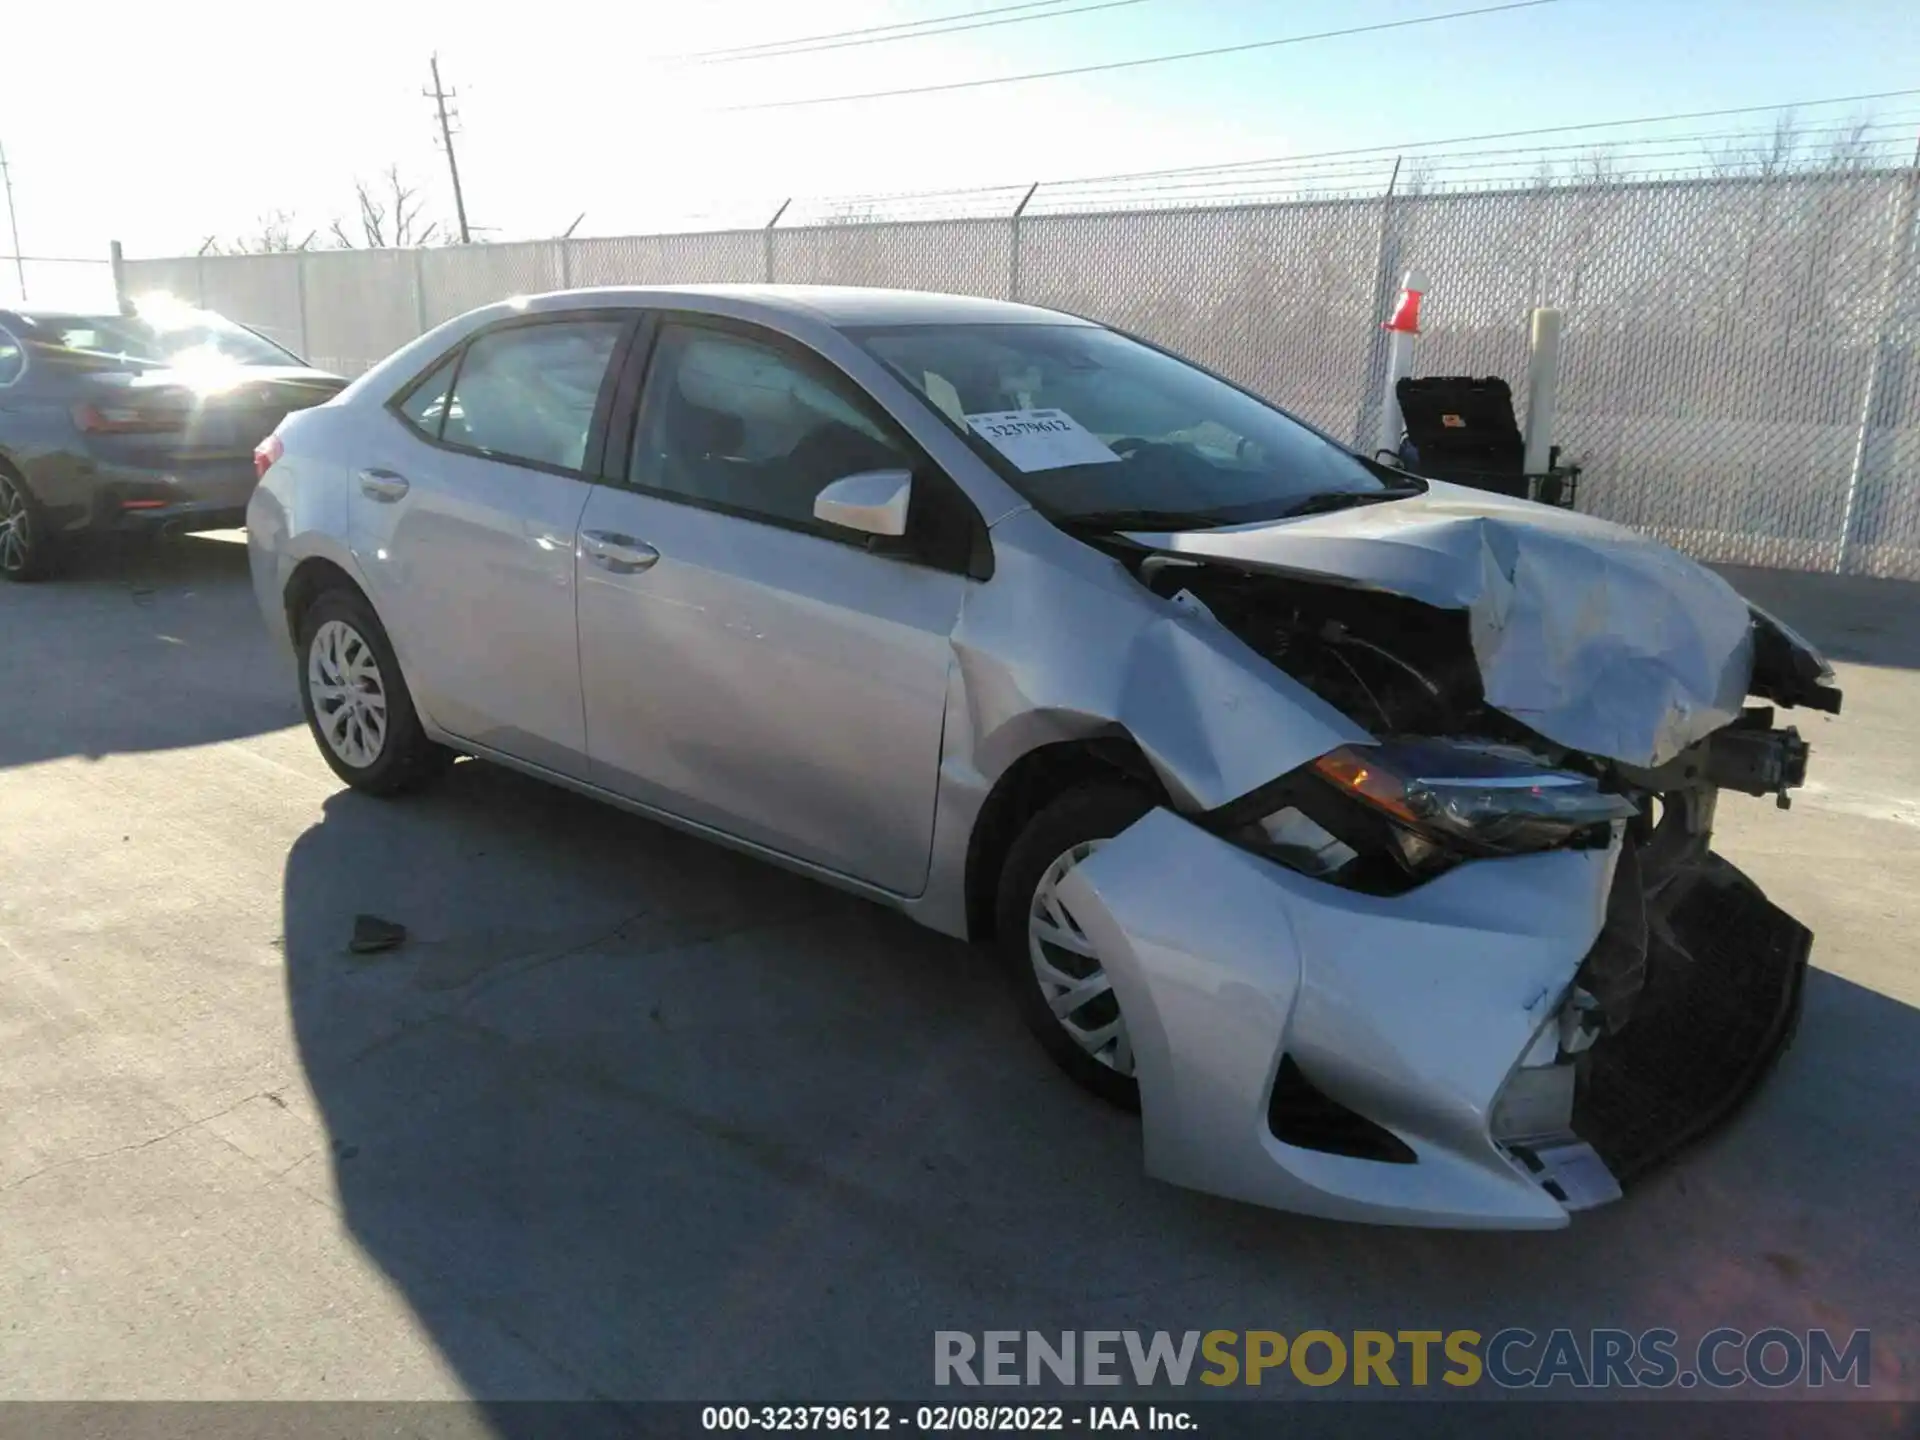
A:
159	417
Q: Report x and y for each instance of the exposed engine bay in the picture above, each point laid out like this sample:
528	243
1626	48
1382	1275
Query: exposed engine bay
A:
1402	668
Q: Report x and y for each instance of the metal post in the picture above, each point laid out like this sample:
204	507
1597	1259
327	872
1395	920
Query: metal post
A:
1385	267
1900	242
13	224
767	235
1543	388
566	261
300	294
420	292
118	260
1013	264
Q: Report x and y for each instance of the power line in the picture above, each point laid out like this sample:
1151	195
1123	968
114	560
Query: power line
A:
729	50
1331	169
1307	170
804	47
1147	60
1494	135
1324	159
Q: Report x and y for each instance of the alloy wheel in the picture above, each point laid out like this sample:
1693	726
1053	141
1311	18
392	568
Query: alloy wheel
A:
16	536
348	693
1068	967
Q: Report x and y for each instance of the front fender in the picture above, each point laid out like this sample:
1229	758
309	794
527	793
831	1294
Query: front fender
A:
1063	644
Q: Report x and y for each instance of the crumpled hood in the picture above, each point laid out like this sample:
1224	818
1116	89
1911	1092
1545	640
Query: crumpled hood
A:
1594	636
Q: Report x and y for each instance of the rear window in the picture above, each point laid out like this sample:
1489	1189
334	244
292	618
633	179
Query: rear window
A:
13	357
176	338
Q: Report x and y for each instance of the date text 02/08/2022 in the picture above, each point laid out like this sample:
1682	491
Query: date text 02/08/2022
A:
946	1419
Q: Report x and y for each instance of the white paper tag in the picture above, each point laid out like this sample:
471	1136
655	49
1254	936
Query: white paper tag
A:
1041	439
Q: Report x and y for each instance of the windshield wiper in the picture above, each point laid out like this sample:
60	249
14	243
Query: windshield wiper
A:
1347	499
1141	520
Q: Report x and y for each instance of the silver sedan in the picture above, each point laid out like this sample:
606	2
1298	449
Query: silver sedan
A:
1351	826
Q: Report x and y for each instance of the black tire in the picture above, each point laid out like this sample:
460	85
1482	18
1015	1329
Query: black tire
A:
28	550
1090	813
404	758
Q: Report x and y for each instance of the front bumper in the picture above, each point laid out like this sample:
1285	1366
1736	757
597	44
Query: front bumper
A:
1439	1018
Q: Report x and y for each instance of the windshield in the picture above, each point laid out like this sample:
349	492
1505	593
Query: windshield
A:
179	338
1090	426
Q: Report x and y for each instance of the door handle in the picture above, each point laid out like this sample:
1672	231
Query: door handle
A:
622	554
386	486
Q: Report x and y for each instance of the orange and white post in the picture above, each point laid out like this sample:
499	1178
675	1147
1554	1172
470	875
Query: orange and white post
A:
1401	327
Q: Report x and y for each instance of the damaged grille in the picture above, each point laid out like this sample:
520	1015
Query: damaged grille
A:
1722	996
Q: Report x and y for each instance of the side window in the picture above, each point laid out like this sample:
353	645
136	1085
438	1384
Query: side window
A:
527	392
745	425
13	358
425	408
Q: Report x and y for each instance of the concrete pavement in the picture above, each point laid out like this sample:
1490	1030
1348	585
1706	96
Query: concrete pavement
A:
634	1117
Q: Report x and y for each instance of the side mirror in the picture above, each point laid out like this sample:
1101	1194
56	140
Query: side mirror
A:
874	502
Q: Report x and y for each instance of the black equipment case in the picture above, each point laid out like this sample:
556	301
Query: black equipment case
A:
1462	430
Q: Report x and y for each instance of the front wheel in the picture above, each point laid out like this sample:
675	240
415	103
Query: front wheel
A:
356	701
1062	986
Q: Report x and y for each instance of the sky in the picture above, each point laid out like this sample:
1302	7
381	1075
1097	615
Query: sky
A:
163	126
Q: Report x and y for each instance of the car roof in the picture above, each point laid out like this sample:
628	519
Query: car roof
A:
35	314
837	305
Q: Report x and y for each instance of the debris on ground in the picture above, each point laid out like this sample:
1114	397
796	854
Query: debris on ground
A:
371	935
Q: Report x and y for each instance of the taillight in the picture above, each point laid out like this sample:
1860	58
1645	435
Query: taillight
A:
126	419
265	454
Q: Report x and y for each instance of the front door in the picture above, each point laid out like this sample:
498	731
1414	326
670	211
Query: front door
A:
744	665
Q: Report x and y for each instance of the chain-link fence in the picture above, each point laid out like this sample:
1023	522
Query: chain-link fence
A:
1739	370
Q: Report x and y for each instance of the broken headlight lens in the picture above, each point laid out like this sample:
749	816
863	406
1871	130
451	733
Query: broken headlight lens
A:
1481	799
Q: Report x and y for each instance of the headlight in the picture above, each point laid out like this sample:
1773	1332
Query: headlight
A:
1483	797
1426	804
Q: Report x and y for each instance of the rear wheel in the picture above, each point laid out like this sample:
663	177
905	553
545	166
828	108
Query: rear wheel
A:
27	549
1058	976
356	701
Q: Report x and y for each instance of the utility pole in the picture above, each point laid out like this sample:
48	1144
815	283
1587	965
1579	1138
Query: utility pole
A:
440	96
13	224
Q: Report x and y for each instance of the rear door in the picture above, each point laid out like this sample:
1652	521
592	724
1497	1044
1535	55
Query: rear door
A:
465	527
744	665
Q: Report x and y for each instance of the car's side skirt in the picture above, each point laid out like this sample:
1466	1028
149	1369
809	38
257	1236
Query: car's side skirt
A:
835	878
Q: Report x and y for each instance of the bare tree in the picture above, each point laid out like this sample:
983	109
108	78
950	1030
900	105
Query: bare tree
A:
1418	176
1762	156
1846	145
1850	146
1599	166
275	232
389	215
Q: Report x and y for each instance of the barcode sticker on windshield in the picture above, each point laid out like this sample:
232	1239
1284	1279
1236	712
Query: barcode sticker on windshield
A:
1041	439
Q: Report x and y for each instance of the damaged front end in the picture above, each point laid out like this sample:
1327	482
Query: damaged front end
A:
1512	975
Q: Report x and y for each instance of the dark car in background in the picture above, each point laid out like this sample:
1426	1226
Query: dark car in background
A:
144	422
